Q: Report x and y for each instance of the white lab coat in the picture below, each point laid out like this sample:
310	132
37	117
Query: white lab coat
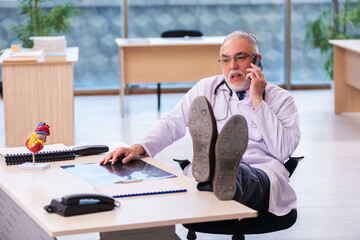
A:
273	132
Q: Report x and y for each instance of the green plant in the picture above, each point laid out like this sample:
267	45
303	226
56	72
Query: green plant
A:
333	24
43	23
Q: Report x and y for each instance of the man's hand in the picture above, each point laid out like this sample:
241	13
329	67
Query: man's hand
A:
258	84
130	153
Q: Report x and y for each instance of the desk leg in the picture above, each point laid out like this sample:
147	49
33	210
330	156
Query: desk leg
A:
122	81
16	224
122	96
158	233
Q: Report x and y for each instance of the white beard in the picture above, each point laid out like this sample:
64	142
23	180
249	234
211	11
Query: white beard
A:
245	85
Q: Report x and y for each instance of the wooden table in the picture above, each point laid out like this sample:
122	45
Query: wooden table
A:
23	194
167	60
346	75
39	91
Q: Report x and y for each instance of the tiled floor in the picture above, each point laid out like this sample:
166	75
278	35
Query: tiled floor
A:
326	181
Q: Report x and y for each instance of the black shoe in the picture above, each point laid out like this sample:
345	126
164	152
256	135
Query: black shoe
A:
230	146
203	131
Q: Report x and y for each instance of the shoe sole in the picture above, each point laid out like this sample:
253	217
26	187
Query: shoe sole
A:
202	128
230	146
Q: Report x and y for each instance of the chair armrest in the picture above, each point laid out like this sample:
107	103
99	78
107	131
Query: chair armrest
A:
292	163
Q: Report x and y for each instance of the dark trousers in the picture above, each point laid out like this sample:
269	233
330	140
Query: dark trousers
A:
253	188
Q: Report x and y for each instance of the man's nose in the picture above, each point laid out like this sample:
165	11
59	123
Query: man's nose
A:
234	64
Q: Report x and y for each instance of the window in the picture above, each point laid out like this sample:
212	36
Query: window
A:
95	29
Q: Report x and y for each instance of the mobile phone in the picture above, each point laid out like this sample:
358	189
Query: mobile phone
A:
257	62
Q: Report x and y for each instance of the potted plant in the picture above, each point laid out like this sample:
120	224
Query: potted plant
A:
43	23
333	24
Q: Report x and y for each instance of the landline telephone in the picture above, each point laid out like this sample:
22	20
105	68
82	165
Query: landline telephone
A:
82	203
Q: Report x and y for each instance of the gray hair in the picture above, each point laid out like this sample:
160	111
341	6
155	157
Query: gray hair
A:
242	34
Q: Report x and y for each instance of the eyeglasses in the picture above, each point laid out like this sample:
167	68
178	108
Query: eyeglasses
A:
240	59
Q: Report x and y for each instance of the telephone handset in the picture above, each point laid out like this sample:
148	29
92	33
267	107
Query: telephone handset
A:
75	204
257	62
76	198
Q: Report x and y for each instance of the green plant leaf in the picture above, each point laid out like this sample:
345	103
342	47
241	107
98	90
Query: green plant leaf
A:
323	29
354	16
58	17
40	23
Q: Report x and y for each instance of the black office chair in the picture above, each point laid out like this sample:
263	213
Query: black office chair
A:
181	33
264	223
172	34
1	90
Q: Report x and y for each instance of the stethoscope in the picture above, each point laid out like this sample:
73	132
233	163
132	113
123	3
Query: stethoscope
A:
216	91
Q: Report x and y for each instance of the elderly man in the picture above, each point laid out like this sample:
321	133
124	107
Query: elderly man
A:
258	129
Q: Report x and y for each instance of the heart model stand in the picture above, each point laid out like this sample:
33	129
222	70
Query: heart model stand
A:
35	142
34	165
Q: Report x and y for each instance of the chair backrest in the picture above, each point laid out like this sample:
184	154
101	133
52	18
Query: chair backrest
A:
182	33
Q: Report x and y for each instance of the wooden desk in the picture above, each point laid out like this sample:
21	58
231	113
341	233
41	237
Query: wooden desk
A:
346	75
167	60
39	91
23	194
